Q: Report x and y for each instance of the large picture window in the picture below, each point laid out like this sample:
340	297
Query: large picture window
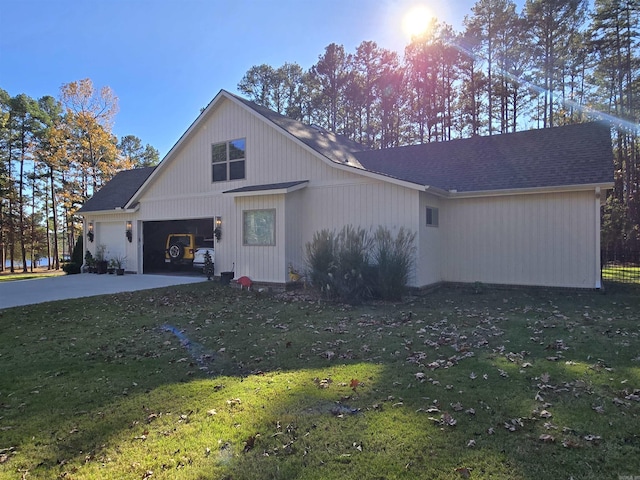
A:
228	160
259	227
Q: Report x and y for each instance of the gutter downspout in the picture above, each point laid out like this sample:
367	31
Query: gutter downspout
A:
598	262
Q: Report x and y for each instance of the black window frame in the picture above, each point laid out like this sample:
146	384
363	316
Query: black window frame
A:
226	163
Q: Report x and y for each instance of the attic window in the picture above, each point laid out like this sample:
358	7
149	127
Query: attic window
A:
432	217
228	160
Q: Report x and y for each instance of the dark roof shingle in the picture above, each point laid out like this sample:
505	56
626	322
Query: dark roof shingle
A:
336	148
267	186
578	154
569	155
118	191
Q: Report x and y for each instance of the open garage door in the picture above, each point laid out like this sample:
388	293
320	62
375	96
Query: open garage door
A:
155	237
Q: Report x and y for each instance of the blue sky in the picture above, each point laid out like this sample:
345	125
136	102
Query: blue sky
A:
166	59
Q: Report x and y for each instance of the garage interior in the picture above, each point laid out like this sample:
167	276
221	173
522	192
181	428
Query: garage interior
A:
155	238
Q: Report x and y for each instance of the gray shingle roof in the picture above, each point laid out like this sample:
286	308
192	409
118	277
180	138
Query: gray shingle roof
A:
117	192
569	155
335	147
267	186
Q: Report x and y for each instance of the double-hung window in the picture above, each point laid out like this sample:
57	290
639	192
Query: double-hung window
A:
228	160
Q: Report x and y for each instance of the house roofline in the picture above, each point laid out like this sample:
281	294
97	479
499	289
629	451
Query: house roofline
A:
177	146
352	168
532	190
269	189
111	211
299	142
229	96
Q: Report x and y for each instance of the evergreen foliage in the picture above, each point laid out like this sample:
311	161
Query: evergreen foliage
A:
208	265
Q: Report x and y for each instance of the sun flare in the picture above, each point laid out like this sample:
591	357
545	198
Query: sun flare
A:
416	21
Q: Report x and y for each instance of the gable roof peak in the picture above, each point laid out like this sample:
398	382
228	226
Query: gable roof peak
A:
337	148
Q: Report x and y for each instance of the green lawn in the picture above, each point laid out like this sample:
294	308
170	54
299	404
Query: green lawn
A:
209	382
7	276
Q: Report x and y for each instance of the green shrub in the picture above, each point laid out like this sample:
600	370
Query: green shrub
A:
394	260
354	265
353	277
321	260
76	255
208	265
71	268
74	266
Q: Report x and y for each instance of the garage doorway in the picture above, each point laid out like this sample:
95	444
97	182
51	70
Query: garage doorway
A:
155	238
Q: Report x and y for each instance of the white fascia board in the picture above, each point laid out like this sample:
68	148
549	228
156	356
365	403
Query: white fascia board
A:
531	191
114	211
290	136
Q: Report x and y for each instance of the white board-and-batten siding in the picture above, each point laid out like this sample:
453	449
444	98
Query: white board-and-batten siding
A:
109	231
549	239
332	198
539	239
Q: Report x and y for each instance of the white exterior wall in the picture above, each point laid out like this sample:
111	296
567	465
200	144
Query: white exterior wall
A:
333	198
536	239
109	230
263	263
429	245
539	239
295	232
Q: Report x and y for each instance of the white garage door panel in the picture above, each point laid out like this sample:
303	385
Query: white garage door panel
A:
111	235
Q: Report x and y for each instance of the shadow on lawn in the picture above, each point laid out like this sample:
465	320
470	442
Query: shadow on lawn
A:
130	377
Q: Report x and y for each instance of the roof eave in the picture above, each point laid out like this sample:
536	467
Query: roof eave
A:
111	211
270	191
356	164
531	191
176	147
396	181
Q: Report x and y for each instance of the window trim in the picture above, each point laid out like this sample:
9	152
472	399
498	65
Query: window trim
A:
435	217
272	240
229	162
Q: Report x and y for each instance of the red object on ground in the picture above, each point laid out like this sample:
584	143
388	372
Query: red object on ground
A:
244	282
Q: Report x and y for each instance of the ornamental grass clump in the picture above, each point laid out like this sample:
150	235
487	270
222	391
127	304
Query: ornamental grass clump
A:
354	265
321	260
393	258
354	276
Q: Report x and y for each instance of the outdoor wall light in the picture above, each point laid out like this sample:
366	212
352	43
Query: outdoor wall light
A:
217	232
90	232
129	231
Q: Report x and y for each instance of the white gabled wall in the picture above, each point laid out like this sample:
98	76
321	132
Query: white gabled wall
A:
538	239
333	198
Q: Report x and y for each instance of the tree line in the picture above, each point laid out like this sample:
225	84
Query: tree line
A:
55	154
553	63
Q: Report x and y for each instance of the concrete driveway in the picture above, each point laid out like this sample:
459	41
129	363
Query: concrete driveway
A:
28	292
